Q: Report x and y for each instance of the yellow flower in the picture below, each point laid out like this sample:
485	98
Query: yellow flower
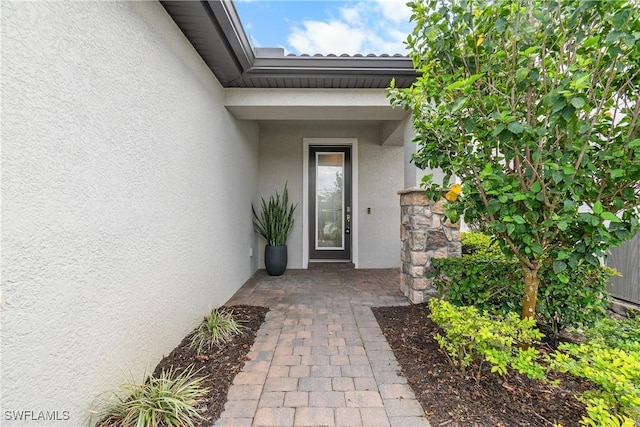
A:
454	192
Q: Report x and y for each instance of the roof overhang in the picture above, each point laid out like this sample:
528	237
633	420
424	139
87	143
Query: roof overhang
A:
214	29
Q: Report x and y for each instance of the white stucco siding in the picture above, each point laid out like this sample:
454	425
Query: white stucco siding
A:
413	175
380	176
280	162
126	189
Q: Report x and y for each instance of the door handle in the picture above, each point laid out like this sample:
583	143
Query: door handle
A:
347	229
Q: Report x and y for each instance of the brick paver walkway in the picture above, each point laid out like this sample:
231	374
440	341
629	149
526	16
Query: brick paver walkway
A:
320	358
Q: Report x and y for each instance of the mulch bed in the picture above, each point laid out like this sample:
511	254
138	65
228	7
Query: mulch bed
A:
222	364
449	398
452	399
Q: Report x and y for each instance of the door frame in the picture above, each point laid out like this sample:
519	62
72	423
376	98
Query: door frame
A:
328	142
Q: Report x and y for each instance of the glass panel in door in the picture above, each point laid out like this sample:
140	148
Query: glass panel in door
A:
329	201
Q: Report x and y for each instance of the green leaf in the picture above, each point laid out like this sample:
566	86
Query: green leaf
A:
563	278
608	216
577	102
488	170
469	124
518	219
473	78
459	103
536	187
558	105
563	225
521	74
620	18
617	173
557	176
581	82
568	112
499	227
559	266
569	206
463	83
515	127
453	216
591	41
597	208
498	129
493	206
537	248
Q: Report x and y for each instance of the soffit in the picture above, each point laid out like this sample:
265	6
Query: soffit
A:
209	28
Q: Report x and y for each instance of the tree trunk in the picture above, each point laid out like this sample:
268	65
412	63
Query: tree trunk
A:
531	283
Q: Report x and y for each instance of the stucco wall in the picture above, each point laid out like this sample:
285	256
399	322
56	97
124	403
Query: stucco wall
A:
413	175
380	176
126	189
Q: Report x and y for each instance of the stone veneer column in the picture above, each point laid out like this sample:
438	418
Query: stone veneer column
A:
425	234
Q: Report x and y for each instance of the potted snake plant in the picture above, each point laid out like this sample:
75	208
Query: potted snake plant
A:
274	223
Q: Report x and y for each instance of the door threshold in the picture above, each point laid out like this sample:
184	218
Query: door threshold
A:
331	265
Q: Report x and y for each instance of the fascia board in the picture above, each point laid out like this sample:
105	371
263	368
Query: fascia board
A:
229	22
342	65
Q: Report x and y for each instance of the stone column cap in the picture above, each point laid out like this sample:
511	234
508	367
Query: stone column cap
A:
412	190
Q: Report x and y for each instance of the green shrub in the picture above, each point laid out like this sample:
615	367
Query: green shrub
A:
488	282
580	302
218	327
616	372
598	415
494	283
471	338
622	334
478	243
169	400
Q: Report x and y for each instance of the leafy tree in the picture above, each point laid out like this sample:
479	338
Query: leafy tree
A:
534	105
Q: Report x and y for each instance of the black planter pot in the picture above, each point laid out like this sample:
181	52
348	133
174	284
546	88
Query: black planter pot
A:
275	259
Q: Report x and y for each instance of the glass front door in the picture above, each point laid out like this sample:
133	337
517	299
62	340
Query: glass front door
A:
330	202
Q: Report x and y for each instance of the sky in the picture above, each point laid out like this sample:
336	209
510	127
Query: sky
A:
327	26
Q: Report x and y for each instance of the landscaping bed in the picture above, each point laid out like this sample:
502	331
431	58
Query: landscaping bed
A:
220	365
450	398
